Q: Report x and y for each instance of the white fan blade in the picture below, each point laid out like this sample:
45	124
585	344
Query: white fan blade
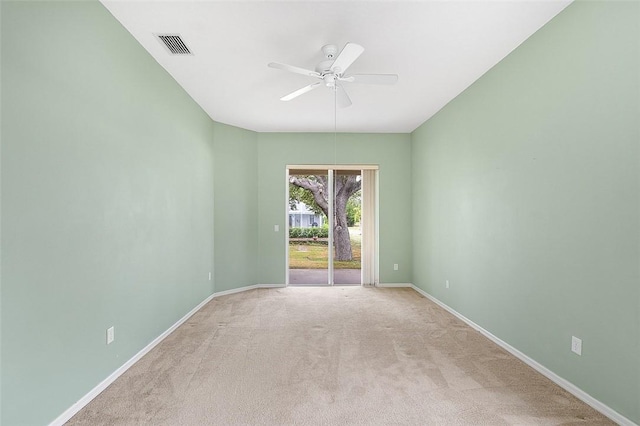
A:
342	99
372	78
302	91
296	70
349	54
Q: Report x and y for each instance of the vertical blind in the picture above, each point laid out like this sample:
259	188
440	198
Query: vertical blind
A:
369	239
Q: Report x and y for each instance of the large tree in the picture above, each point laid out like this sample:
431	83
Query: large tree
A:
317	185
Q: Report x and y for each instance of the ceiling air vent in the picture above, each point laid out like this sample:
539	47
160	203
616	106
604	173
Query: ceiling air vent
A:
174	44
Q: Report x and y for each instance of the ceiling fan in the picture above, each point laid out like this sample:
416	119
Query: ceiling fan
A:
331	73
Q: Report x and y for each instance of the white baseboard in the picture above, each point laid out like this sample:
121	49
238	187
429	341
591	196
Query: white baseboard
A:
73	410
235	290
392	285
568	386
563	383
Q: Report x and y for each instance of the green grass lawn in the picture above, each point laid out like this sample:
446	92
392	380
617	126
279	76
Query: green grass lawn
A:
313	255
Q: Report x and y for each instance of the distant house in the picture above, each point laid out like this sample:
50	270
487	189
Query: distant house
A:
303	217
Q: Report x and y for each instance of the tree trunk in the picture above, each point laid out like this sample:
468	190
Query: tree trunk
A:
342	240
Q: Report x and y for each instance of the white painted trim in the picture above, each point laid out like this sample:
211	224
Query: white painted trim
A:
71	411
568	386
333	166
390	285
286	228
332	226
563	383
235	290
271	285
82	402
376	278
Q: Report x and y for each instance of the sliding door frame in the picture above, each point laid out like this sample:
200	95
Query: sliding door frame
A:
372	217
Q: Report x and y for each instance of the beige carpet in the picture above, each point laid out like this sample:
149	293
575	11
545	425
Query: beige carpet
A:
340	355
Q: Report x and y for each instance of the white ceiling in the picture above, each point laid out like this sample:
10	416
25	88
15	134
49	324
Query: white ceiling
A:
438	48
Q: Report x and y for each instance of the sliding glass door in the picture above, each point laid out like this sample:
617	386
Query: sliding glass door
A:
308	221
329	227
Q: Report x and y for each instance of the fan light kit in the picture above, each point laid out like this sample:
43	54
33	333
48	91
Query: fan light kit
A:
331	72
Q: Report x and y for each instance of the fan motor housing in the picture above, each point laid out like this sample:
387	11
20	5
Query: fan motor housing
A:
324	67
330	51
329	80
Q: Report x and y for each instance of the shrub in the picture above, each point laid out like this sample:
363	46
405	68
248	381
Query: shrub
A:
309	232
321	232
294	232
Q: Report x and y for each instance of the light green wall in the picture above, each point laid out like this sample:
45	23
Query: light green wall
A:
236	207
0	213
390	151
108	177
250	198
107	200
526	194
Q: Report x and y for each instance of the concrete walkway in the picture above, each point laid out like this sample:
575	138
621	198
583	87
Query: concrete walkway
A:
320	276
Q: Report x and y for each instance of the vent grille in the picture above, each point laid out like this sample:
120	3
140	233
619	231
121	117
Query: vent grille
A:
174	44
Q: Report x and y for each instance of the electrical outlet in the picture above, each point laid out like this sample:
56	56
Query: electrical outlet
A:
447	284
276	228
395	266
209	276
111	335
576	345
